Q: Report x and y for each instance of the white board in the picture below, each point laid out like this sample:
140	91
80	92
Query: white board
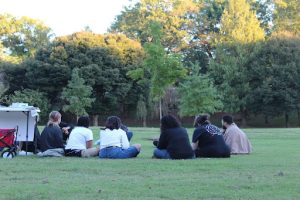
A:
11	119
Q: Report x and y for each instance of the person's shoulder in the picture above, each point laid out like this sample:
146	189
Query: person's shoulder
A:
172	130
120	131
198	130
181	129
84	130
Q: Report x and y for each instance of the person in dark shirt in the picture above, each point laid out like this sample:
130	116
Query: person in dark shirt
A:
51	140
208	139
66	129
174	141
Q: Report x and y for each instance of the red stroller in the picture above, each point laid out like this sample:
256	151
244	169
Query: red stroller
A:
7	140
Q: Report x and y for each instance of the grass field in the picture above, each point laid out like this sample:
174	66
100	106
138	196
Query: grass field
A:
271	172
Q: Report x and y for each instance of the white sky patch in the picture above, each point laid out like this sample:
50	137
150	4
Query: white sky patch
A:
67	16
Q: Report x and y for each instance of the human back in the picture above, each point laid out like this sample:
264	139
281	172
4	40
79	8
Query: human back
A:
208	140
115	137
173	142
78	138
235	138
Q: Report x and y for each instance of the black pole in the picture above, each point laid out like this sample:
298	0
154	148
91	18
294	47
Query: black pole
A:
27	132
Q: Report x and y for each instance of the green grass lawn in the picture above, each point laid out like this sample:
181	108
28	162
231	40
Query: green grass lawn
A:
271	172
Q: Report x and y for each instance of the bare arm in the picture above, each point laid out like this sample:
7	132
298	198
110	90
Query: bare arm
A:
194	145
89	144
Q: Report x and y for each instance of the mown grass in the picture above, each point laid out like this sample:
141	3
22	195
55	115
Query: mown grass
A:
271	172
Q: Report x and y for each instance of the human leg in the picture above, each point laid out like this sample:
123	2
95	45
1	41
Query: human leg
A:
91	152
161	154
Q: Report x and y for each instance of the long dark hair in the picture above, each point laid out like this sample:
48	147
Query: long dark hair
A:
168	122
201	120
113	122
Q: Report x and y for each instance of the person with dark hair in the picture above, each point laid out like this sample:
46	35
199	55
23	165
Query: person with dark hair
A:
114	142
174	141
66	129
51	140
234	137
208	140
80	142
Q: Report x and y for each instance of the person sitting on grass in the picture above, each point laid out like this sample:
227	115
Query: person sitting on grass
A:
80	142
208	140
173	142
114	142
51	140
124	128
234	137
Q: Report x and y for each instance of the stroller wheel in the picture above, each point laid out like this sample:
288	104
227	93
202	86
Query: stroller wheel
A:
8	154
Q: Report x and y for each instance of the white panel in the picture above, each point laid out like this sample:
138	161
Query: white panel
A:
12	119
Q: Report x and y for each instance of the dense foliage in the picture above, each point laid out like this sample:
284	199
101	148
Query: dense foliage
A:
161	56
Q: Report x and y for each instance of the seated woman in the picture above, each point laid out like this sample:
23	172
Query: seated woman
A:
174	141
51	140
114	142
208	140
234	137
124	128
80	142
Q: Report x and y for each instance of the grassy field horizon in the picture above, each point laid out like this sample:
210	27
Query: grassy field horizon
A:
272	171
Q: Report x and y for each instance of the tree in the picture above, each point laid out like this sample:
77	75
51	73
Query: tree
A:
13	76
77	95
287	17
141	110
33	98
274	74
103	62
23	36
198	94
173	15
239	24
165	69
239	38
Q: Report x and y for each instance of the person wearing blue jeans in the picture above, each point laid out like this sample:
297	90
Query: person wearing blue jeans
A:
161	154
174	141
114	141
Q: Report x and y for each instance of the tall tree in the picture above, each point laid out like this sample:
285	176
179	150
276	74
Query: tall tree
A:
239	34
173	15
287	16
102	60
274	74
23	36
77	95
141	110
164	69
198	94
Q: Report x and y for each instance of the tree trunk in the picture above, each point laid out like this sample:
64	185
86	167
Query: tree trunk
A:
160	109
266	119
145	121
95	120
286	120
298	117
244	120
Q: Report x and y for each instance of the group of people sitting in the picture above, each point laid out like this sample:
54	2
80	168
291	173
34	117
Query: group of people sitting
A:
207	140
59	139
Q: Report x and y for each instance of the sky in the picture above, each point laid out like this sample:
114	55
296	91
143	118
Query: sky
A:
67	16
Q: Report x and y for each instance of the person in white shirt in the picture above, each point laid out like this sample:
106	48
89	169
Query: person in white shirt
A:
114	142
80	142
